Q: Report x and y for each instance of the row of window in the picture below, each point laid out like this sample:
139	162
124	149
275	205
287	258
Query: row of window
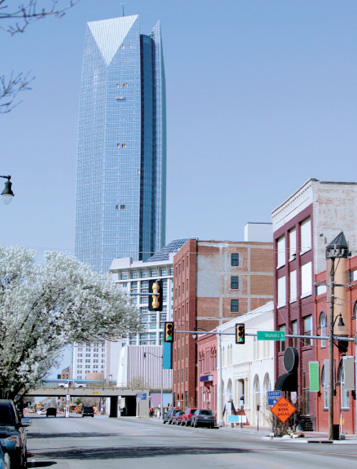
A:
305	287
307	331
305	243
145	274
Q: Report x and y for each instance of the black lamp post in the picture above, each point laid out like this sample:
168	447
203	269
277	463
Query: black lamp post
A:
7	193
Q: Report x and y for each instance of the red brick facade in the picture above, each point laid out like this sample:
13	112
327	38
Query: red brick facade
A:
211	287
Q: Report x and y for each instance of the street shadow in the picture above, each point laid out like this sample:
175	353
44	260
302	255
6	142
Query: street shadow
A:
130	453
34	435
40	463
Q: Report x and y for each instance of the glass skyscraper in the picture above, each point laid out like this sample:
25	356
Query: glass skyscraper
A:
121	163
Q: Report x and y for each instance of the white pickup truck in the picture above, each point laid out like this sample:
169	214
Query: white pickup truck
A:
71	384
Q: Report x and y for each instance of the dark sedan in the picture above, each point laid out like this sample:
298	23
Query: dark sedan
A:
13	433
203	418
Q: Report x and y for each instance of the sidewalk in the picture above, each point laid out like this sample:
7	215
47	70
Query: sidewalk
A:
302	437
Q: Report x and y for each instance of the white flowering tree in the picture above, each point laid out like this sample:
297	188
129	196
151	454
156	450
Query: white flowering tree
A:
46	306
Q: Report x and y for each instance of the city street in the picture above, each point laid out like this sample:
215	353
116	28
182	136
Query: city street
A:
105	443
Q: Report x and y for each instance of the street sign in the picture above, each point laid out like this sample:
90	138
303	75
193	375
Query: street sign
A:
273	397
283	409
271	335
141	396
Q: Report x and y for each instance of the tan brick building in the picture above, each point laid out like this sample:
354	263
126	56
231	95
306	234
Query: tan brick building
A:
214	281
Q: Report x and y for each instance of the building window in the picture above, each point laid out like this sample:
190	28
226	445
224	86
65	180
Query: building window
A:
322	327
281	252
306	279
293	286
234	259
305	232
354	314
234	306
234	283
281	292
307	330
292	244
345	395
282	342
294	329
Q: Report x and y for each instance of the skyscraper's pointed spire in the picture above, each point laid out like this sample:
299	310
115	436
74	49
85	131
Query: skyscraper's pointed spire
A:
109	34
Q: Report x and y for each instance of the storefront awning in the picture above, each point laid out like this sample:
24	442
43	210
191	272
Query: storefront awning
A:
286	382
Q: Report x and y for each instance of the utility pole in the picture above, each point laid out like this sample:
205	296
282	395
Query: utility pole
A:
330	347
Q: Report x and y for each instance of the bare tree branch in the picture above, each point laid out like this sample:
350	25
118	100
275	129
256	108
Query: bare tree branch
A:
15	20
20	17
10	88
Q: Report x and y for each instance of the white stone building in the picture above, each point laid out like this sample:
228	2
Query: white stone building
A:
248	369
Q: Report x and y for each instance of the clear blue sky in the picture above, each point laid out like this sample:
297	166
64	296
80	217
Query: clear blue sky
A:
261	96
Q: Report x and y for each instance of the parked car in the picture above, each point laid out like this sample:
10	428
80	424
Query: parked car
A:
185	419
203	418
51	411
175	419
13	433
5	462
88	411
168	415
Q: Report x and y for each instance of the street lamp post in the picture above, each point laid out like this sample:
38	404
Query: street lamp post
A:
162	381
7	193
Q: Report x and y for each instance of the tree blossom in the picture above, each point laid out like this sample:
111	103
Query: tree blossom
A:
46	306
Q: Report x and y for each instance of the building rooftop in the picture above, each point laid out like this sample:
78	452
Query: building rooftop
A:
164	253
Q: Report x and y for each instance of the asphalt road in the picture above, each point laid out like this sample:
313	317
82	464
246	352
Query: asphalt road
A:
132	443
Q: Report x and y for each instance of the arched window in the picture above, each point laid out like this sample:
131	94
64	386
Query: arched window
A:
322	327
345	395
325	388
256	395
354	314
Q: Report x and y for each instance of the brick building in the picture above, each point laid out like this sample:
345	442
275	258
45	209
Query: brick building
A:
345	304
303	226
214	281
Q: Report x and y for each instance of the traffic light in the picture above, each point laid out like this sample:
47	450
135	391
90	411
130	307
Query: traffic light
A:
240	334
169	332
155	295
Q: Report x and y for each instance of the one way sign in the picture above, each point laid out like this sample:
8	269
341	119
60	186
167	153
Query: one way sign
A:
273	397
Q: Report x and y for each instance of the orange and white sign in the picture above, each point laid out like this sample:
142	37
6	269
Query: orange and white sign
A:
283	409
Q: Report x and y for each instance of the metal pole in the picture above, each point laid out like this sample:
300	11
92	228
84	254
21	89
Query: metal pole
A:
162	386
356	381
331	396
220	391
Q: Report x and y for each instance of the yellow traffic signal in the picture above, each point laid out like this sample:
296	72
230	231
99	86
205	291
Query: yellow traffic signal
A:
169	332
155	295
240	334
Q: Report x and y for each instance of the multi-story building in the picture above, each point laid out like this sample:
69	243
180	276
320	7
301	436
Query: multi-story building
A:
134	276
303	226
88	358
121	162
214	281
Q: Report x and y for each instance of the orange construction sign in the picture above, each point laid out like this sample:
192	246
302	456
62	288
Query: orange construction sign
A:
283	409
